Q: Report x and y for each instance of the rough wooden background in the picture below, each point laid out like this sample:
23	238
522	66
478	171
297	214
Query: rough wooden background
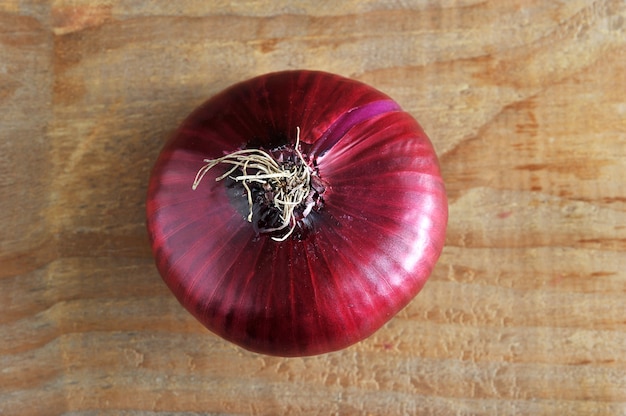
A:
525	102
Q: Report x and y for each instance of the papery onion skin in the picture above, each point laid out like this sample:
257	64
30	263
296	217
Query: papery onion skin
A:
367	252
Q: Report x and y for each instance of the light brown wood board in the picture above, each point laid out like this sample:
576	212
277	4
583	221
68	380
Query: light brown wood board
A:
525	103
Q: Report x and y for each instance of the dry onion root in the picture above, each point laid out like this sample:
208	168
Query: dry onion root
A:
289	183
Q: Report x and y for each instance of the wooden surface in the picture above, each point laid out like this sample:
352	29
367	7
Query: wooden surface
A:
525	102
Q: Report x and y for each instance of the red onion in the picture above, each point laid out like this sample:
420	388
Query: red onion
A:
318	212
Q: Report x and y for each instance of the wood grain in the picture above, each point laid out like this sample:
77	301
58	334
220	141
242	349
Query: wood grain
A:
524	101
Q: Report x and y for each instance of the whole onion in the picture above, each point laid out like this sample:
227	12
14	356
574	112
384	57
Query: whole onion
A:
295	213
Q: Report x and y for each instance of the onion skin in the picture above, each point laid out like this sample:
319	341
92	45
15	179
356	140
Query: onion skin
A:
367	252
